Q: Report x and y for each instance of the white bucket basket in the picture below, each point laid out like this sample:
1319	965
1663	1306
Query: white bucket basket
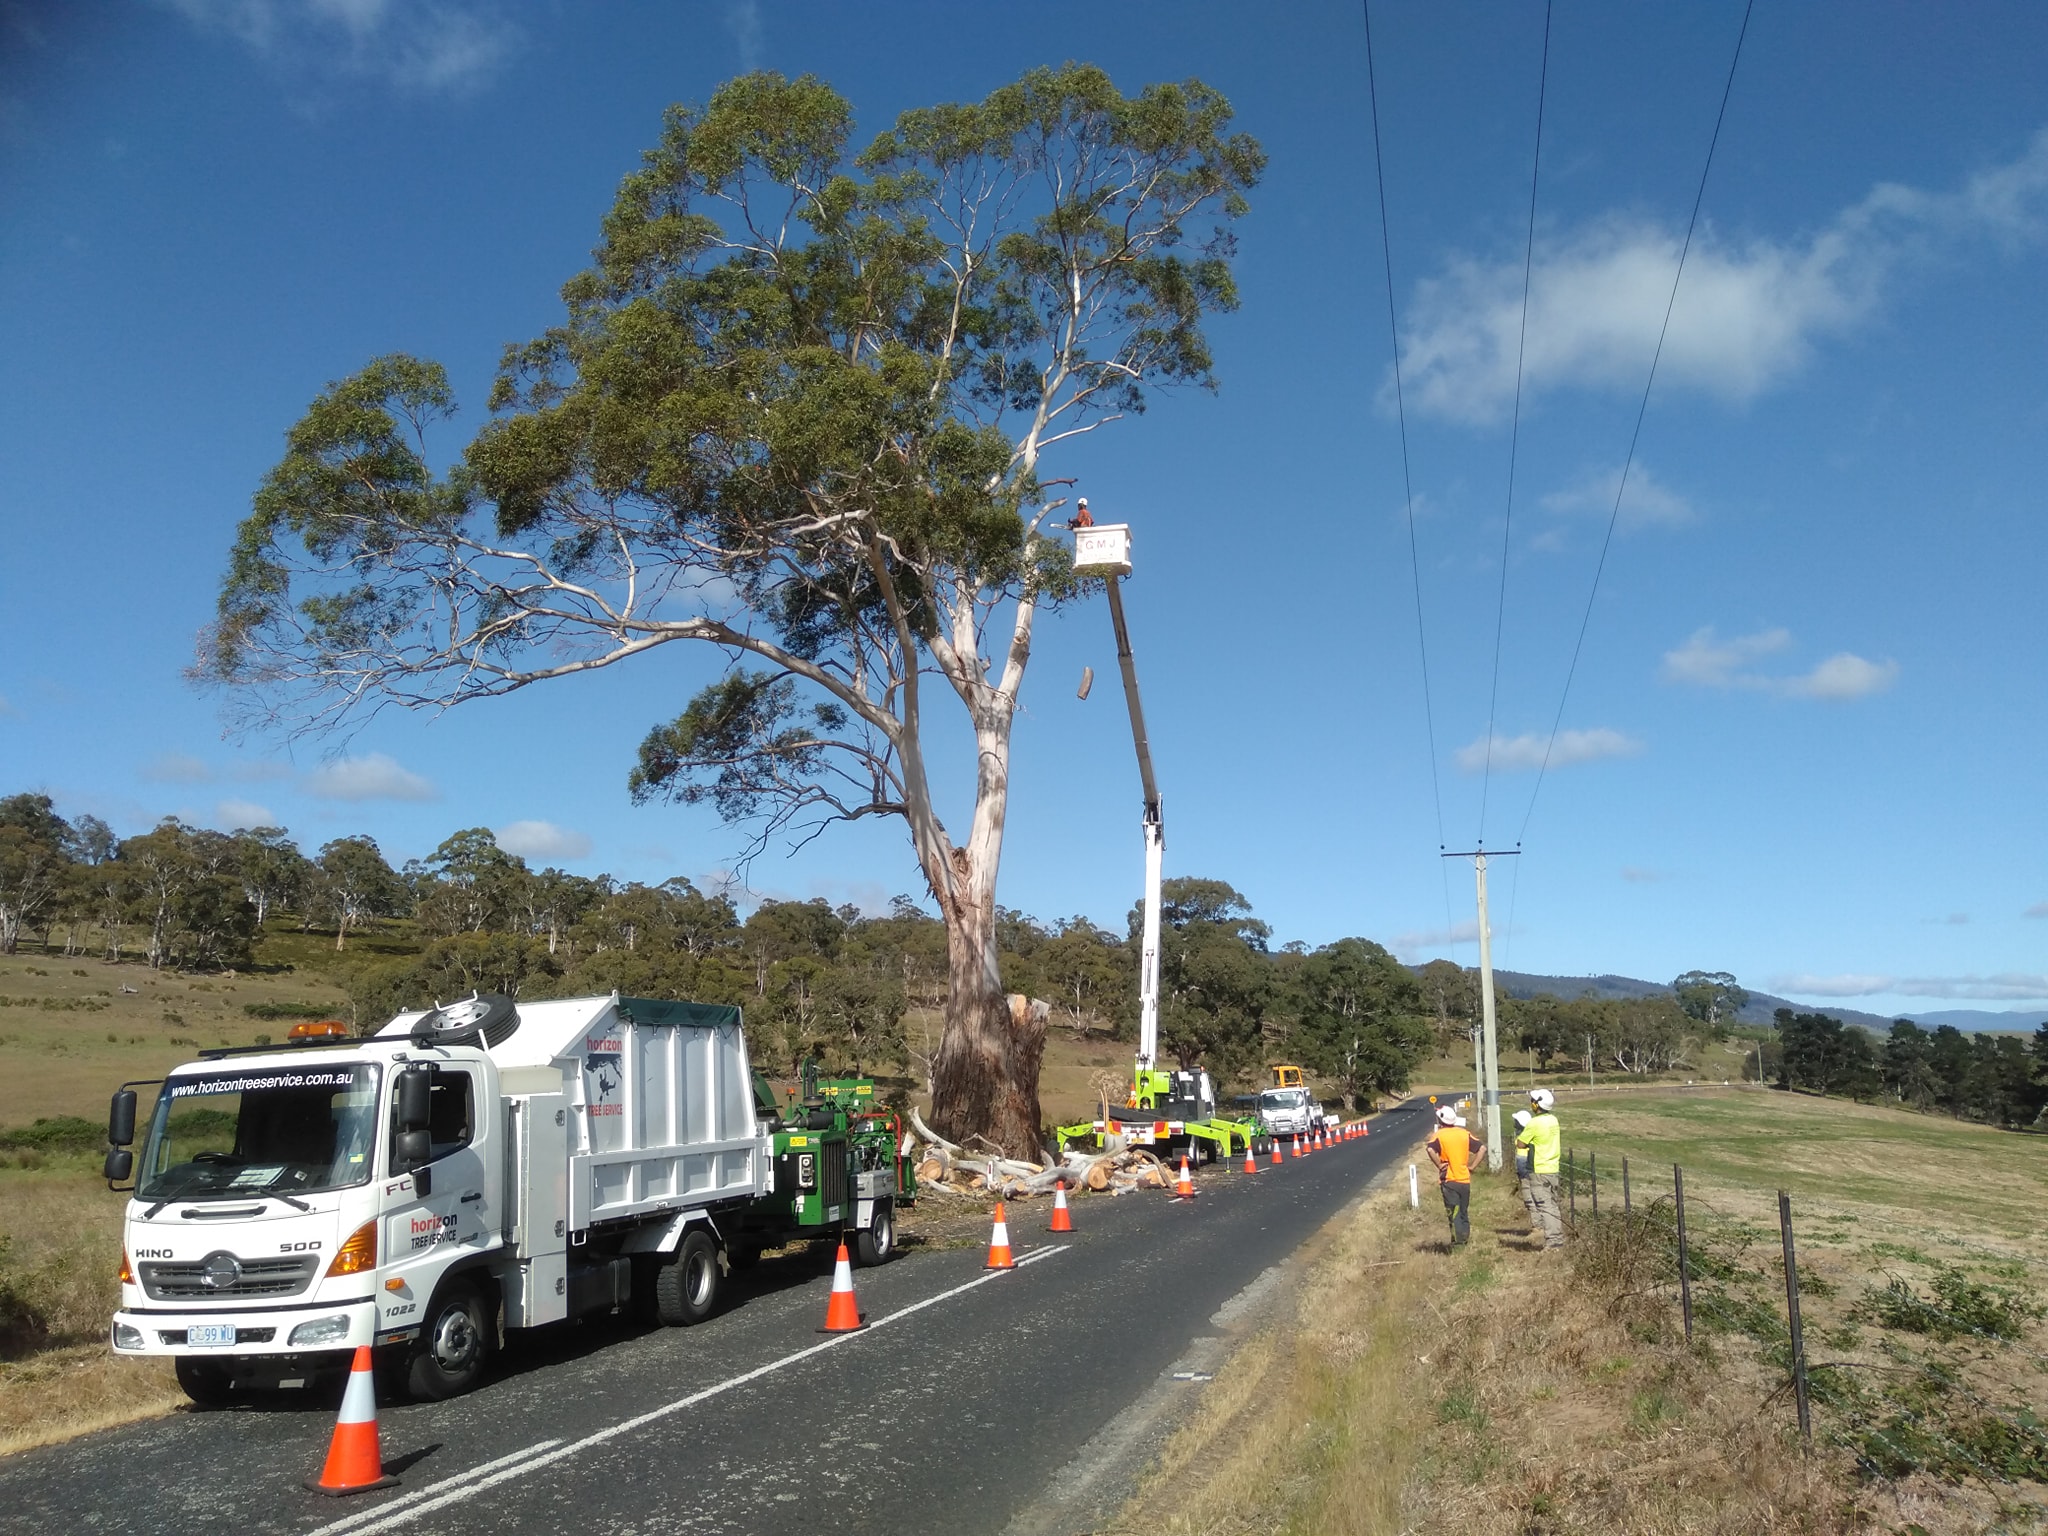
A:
1103	551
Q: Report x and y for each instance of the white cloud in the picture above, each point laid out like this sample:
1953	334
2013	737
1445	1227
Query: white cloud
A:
375	777
1707	661
2038	909
1646	504
2004	986
743	22
1635	875
1843	676
1437	938
177	768
423	46
1524	754
235	815
1748	314
542	840
1847	985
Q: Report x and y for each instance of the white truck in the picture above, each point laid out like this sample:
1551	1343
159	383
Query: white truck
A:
466	1172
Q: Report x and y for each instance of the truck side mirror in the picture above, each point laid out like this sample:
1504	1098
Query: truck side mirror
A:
121	1120
120	1163
415	1103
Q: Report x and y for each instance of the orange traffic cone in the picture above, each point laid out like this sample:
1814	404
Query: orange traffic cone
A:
1298	1152
999	1243
354	1464
842	1313
1184	1187
1061	1220
1277	1153
1250	1166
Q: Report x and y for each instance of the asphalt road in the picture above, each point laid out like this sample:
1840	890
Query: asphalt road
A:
967	1398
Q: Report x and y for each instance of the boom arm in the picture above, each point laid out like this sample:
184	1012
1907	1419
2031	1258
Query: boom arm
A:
1155	837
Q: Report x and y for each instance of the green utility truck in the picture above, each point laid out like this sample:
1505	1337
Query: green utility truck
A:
1172	1113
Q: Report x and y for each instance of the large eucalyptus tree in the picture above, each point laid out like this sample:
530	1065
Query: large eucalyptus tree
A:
799	409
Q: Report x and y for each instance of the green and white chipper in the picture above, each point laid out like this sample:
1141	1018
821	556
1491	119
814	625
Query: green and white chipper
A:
1171	1111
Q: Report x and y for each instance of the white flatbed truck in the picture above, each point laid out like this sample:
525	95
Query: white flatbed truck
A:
463	1174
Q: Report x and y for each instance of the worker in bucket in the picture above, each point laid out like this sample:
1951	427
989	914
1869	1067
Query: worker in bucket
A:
1545	1141
1454	1149
1522	1185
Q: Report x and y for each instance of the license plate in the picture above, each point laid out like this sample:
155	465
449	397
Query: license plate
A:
201	1335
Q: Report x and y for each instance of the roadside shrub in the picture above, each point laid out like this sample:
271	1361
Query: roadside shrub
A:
288	1010
65	1133
1959	1306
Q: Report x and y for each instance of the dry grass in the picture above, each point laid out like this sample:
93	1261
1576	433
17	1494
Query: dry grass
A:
69	1034
1504	1389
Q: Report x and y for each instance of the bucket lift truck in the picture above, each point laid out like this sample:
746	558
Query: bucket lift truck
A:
1170	1111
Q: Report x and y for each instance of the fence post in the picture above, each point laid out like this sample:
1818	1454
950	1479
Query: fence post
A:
1593	1169
1626	1208
1414	1198
1571	1182
1684	1258
1792	1313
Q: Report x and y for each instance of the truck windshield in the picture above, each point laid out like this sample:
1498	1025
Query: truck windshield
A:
1283	1098
234	1133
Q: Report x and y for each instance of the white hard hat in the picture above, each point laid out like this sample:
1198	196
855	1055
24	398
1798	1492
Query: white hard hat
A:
1522	1117
1542	1098
1084	501
1445	1115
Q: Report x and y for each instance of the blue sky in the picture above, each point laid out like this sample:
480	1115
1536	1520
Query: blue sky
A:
1806	738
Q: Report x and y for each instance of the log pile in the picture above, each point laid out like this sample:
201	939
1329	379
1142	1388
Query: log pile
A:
944	1167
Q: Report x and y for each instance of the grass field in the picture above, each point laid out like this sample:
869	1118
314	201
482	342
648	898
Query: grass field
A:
1502	1388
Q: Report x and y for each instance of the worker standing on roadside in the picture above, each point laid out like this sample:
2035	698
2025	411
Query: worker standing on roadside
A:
1522	1185
1545	1140
1454	1150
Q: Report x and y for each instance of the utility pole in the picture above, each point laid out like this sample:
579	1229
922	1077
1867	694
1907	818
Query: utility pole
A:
1488	1044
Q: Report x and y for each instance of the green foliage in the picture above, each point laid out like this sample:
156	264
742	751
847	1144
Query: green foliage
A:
1712	997
64	1133
1958	1308
285	1010
1357	1017
1823	1055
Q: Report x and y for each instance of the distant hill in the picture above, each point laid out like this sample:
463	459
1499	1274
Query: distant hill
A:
1762	1004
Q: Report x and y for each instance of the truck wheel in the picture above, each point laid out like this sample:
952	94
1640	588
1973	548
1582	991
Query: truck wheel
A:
454	1345
877	1244
686	1290
209	1383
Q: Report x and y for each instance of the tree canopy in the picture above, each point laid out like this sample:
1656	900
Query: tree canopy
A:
798	408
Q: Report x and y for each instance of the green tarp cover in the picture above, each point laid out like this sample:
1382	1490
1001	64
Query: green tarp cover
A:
650	1010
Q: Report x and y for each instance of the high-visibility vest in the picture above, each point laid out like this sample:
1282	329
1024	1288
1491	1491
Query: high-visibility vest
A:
1545	1140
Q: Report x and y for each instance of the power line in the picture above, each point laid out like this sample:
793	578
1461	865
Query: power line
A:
1407	480
1500	607
1642	410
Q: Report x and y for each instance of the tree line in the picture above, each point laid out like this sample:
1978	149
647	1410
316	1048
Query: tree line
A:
1996	1079
869	989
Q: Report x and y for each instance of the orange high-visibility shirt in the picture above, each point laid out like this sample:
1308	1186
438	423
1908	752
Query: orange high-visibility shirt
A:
1454	1146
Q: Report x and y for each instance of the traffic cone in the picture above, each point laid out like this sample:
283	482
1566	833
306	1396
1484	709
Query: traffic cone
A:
842	1313
1277	1153
354	1464
1250	1166
1061	1220
1298	1152
1184	1187
999	1243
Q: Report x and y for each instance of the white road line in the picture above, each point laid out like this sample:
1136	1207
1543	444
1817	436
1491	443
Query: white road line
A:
389	1516
356	1521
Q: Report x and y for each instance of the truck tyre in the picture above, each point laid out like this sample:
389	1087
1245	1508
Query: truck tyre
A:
454	1344
209	1383
686	1290
876	1244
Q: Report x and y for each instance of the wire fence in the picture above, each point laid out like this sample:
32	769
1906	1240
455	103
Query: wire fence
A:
1938	1377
